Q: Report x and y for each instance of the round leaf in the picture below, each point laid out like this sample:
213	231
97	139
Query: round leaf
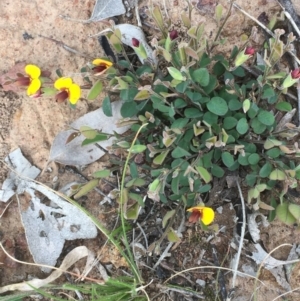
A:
217	171
295	211
284	106
283	214
246	105
265	170
253	159
265	117
201	76
218	106
229	123
227	159
277	174
242	126
176	74
129	109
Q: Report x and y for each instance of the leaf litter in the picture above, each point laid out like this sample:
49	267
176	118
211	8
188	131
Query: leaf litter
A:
47	225
73	153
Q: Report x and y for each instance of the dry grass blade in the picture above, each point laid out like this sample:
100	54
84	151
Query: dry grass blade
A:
242	234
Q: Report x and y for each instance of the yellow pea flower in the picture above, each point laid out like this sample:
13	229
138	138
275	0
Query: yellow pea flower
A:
206	214
68	90
32	81
101	66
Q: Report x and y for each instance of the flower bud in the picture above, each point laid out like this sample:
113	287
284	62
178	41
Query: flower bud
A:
173	34
295	74
243	56
135	42
139	49
170	40
249	51
291	79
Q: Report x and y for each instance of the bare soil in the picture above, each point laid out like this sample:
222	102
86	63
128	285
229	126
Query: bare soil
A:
32	124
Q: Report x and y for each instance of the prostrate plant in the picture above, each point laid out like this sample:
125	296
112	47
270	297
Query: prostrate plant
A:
205	114
208	116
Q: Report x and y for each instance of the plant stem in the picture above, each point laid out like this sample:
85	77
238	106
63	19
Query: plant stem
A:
130	255
222	26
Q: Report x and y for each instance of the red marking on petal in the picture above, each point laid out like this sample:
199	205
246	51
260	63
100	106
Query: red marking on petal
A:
195	216
62	96
23	81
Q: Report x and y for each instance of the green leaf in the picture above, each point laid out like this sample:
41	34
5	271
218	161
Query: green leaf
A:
129	109
135	182
242	126
234	104
159	159
204	174
204	188
257	126
133	170
218	69
86	188
101	173
59	72
136	149
47	91
265	117
128	94
295	211
179	103
95	90
167	216
277	174
253	159
179	152
272	214
251	179
175	185
106	106
210	118
218	13
253	111
246	105
132	212
284	215
268	92
284	106
227	159
201	76
176	74
218	106
136	197
88	132
192	113
217	171
243	160
180	123
142	95
273	152
229	123
99	137
265	170
172	236
271	142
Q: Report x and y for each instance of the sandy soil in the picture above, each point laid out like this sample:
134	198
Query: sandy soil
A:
32	124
